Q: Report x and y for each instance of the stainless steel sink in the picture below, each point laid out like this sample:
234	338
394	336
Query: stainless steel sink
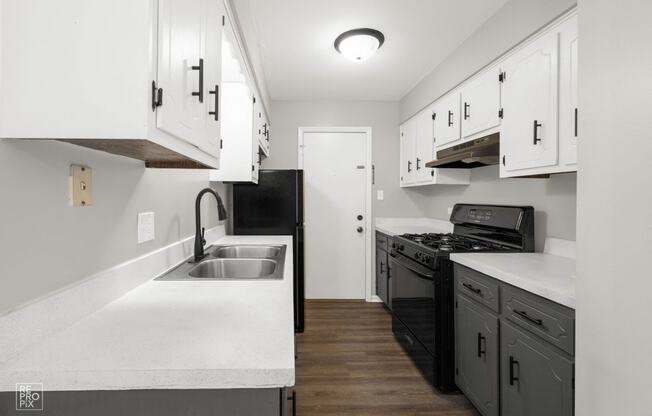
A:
235	269
233	262
251	252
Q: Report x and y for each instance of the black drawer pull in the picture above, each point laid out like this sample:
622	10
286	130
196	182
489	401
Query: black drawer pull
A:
470	287
481	352
199	68
575	128
450	118
409	166
409	339
216	93
466	111
418	160
512	364
382	267
535	132
528	318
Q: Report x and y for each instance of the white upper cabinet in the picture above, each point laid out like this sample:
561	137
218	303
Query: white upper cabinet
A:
417	149
481	104
568	112
261	126
539	100
528	135
240	147
141	88
447	124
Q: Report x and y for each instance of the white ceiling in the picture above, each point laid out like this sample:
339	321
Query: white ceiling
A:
295	43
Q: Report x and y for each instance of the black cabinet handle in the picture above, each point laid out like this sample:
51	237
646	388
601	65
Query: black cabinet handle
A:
575	122
528	318
466	110
199	68
382	267
293	399
470	287
481	352
450	118
216	93
418	160
512	364
409	166
535	132
157	96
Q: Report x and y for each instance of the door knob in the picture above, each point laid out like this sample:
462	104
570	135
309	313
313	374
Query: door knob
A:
360	217
360	230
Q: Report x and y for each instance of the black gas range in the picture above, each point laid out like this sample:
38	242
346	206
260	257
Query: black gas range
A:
421	280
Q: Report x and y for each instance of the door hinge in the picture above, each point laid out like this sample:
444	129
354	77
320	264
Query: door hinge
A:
457	371
500	113
221	144
157	96
432	173
254	100
223	20
373	174
503	160
434	116
501	77
456	304
253	168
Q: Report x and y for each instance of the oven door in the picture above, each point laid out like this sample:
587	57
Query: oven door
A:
413	295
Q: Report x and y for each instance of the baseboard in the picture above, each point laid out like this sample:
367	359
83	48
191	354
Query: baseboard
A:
31	322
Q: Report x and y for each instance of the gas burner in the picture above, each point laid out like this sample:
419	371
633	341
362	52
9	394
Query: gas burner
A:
452	243
446	247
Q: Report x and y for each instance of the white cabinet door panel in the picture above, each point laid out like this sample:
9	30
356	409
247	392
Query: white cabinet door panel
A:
424	146
568	94
529	135
408	151
213	75
180	28
481	103
447	120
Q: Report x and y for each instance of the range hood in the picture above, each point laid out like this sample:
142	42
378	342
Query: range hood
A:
475	153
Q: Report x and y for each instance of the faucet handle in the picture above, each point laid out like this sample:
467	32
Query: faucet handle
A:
203	240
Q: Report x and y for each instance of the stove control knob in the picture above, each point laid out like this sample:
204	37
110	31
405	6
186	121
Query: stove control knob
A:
401	247
417	255
428	259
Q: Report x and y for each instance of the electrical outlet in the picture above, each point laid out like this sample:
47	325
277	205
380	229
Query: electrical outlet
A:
145	227
380	195
80	182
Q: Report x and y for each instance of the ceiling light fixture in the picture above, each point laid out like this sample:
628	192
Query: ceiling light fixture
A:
359	44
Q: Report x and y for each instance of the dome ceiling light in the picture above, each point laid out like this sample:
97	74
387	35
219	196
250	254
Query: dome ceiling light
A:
359	44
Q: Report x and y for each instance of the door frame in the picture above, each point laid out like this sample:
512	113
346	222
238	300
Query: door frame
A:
368	246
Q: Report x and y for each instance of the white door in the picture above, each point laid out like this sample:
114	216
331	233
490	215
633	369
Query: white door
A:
180	52
424	147
447	120
335	178
528	134
481	103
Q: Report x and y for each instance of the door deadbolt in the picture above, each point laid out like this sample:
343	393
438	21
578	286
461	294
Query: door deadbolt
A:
360	217
360	230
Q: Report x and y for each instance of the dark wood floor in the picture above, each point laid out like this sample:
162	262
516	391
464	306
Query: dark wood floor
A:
350	364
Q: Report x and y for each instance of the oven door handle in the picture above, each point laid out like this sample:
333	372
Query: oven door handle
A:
413	267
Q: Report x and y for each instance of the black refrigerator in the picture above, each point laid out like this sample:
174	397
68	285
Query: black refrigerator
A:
275	207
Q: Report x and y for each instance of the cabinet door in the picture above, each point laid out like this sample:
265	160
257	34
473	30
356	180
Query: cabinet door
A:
180	66
447	120
568	93
381	275
481	103
528	135
408	151
476	354
536	380
213	76
424	147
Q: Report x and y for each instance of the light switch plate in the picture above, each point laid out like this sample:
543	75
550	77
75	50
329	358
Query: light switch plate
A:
145	227
380	195
80	186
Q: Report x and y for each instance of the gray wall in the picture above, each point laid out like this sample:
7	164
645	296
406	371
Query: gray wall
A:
46	244
382	117
614	239
514	22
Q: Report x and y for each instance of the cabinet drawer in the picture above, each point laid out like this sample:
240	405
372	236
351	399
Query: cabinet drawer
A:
477	286
553	322
381	240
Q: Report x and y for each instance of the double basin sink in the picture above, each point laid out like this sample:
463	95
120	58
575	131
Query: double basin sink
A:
233	262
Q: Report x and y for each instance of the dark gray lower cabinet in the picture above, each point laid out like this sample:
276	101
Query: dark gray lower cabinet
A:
536	379
382	275
476	354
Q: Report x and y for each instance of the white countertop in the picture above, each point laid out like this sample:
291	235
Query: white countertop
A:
549	276
176	335
397	226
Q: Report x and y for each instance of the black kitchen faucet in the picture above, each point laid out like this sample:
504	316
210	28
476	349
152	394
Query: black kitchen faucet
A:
199	230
